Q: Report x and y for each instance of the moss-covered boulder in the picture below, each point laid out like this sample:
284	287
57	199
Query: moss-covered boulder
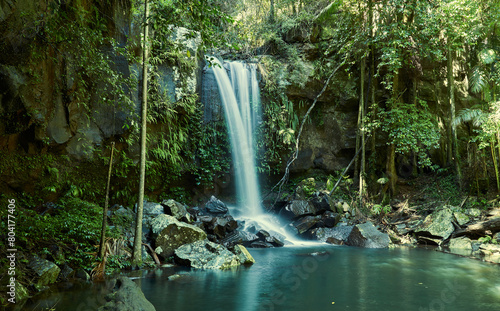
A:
243	255
170	234
205	255
126	296
46	272
437	226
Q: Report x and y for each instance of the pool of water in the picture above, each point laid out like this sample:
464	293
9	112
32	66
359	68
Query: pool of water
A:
342	278
320	277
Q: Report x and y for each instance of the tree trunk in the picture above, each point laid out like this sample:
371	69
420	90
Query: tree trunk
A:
374	82
361	127
102	248
360	113
137	251
271	13
453	155
391	156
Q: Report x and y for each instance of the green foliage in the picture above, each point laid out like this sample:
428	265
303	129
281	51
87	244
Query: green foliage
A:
487	240
380	210
277	132
411	129
74	228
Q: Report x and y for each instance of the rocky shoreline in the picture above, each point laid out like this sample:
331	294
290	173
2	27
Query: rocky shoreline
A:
209	237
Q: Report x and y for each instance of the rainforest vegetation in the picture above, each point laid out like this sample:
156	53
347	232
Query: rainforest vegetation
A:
421	77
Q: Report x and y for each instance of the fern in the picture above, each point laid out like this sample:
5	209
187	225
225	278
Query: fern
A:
478	79
474	115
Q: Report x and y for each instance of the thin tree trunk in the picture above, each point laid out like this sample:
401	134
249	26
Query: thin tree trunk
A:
362	131
495	163
102	249
360	113
271	13
391	156
453	155
137	251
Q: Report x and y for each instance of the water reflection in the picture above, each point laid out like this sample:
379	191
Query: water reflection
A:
343	278
316	278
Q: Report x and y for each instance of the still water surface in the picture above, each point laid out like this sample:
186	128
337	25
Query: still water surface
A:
290	278
346	278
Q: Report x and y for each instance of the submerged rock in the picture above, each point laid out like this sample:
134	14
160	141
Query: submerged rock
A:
46	272
126	296
205	255
366	235
461	246
171	233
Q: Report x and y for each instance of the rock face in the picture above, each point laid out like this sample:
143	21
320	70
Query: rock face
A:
205	255
126	296
171	233
437	226
46	271
366	235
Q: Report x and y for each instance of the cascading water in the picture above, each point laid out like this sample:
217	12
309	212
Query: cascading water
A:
241	100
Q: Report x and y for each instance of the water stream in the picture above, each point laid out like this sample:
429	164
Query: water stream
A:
239	93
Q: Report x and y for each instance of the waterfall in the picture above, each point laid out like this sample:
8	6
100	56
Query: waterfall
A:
240	97
240	100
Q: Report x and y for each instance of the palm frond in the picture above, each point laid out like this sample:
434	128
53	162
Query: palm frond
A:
474	115
478	79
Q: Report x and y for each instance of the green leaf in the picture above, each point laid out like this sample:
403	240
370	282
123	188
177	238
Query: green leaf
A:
487	56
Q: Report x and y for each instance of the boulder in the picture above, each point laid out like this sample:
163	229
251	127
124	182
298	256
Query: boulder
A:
305	223
490	252
152	209
216	207
461	218
205	255
126	296
170	233
472	212
340	233
46	272
366	235
461	246
243	255
437	226
322	202
329	219
297	208
176	209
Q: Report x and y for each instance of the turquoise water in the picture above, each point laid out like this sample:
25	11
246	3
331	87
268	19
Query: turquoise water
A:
346	278
290	278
